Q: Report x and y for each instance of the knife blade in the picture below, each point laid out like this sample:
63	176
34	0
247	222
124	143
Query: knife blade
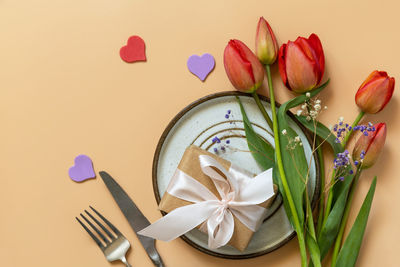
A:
134	216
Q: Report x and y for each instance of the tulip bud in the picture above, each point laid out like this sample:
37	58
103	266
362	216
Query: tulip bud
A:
243	68
302	63
375	92
266	44
368	147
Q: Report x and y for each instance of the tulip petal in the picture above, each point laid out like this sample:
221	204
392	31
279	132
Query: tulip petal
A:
375	146
361	145
282	65
315	43
371	145
257	68
374	75
390	92
375	94
238	68
313	49
266	44
301	71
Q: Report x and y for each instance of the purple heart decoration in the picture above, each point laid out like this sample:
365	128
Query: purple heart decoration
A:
201	66
82	170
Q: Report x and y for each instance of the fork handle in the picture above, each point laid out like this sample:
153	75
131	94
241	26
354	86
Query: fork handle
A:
123	259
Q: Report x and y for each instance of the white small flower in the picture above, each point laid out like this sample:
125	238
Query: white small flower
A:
330	127
304	106
317	101
326	107
284	132
317	106
297	139
300	144
308	94
308	118
341	119
313	114
299	112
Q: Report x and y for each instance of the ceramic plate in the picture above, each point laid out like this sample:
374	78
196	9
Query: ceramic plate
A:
198	124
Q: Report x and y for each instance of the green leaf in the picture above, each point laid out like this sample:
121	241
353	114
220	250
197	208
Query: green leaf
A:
330	230
323	132
351	247
261	150
294	160
339	187
278	181
314	250
301	98
295	165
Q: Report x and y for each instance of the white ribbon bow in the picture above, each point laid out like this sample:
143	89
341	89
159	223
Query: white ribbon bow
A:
240	195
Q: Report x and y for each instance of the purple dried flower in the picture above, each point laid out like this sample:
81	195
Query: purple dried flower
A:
341	160
216	140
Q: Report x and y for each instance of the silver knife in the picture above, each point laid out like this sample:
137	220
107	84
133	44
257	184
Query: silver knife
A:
134	216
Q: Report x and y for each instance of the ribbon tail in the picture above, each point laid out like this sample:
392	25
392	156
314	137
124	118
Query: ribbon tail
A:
179	221
219	233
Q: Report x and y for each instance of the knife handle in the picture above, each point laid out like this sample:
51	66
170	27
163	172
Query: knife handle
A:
155	257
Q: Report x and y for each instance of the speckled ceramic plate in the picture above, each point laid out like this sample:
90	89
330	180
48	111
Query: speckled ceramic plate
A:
198	124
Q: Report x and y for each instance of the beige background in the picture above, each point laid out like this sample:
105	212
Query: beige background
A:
65	91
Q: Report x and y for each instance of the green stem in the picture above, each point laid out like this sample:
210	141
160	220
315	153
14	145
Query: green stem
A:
329	200
322	188
311	230
262	109
296	221
355	123
338	242
344	142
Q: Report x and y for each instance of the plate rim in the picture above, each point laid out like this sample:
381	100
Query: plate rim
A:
163	137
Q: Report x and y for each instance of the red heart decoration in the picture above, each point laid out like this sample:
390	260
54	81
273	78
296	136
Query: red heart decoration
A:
134	50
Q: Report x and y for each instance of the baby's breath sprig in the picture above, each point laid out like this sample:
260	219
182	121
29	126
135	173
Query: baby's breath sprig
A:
311	108
292	142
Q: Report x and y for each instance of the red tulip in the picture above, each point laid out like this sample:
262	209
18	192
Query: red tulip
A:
375	92
368	148
243	68
302	63
266	44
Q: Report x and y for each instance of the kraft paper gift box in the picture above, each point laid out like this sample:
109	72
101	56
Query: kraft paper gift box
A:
190	165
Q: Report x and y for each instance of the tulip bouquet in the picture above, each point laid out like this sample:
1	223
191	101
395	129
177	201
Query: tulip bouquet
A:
301	67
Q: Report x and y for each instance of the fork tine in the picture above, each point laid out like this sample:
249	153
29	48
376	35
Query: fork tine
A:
98	242
97	230
102	226
106	221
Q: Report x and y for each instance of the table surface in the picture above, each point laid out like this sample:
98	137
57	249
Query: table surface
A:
65	91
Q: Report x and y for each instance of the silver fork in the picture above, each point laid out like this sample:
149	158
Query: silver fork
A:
114	247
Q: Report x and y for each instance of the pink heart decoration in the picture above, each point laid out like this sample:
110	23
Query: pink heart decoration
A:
134	50
82	170
201	66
